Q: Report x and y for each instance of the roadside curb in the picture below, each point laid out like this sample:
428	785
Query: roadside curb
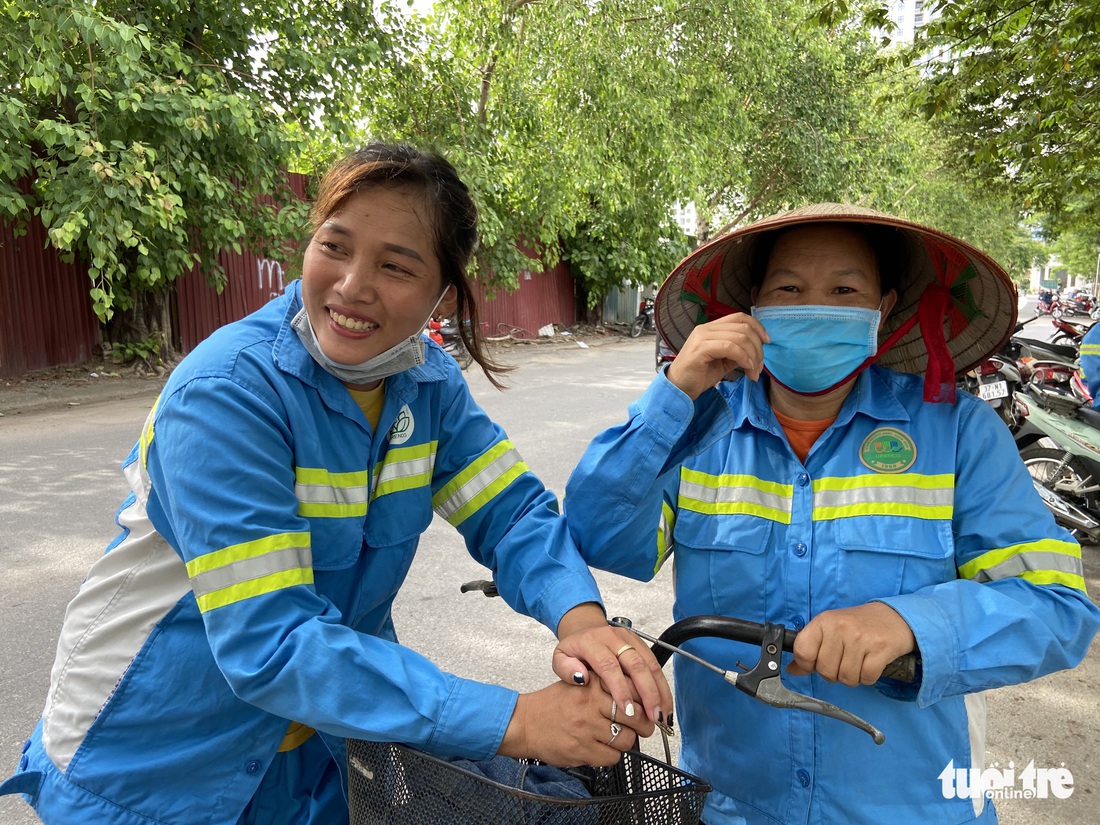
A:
54	395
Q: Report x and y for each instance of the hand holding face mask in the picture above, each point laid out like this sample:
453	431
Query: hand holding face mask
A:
716	349
817	348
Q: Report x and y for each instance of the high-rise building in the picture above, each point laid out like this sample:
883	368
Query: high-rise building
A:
908	16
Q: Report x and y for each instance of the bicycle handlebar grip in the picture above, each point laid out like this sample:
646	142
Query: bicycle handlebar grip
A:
904	668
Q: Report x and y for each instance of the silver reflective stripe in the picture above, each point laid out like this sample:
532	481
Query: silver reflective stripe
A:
126	593
327	494
718	498
482	479
921	497
275	561
405	468
324	494
664	535
1033	561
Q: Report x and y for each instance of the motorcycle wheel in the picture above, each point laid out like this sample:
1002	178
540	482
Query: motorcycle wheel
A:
1046	466
637	327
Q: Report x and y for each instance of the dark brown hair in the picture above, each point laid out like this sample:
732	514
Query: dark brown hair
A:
451	212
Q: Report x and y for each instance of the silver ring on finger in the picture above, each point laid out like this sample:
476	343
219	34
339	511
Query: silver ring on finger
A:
614	709
616	729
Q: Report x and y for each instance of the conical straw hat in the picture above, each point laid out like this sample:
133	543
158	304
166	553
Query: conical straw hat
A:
980	315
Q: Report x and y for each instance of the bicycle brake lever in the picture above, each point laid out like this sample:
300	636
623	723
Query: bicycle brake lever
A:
763	682
489	588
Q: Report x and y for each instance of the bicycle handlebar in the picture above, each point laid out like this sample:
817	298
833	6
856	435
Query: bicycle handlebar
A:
904	668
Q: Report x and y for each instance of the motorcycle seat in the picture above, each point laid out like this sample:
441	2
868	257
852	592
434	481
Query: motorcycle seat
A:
1065	351
1087	414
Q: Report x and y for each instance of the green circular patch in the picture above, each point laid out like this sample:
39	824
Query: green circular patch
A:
888	450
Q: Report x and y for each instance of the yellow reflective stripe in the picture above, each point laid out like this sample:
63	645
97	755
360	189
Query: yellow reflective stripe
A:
405	468
252	568
146	438
1048	561
734	494
912	495
1090	349
479	482
664	535
256	587
324	494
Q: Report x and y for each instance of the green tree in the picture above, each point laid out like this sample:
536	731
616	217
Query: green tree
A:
581	125
1016	87
155	134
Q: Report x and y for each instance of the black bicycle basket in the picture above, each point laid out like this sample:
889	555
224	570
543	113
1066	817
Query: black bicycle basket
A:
391	784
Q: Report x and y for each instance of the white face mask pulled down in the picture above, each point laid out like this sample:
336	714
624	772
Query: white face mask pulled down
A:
403	355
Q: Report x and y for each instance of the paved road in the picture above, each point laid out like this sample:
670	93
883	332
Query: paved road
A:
59	486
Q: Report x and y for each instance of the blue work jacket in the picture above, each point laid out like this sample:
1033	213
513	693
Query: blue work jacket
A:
1090	362
925	507
265	538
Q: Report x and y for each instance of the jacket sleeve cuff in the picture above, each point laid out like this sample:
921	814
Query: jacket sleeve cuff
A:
473	720
563	594
937	643
665	408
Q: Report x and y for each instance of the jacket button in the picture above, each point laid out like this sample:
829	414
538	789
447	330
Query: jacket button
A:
800	549
798	622
252	767
23	762
804	778
803	479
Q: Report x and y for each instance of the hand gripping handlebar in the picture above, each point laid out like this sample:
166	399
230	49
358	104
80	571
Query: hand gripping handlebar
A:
762	681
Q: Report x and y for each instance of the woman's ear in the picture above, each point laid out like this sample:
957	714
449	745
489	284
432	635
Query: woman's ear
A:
753	293
888	301
449	303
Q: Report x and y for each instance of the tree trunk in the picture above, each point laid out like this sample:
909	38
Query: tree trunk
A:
143	334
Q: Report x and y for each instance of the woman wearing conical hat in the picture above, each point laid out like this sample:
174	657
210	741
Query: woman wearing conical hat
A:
805	461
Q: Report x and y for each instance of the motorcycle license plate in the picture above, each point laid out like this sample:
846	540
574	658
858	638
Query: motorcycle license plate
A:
993	390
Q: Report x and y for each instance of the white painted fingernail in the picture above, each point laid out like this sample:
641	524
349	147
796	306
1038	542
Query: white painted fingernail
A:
629	708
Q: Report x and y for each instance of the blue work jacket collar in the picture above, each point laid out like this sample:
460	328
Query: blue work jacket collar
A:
292	358
873	396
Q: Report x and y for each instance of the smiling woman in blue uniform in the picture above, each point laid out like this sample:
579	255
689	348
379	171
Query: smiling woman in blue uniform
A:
797	468
239	627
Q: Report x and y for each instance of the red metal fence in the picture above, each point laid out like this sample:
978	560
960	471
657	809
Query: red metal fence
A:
46	316
542	298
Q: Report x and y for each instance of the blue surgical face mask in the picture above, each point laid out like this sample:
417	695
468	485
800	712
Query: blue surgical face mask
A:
816	347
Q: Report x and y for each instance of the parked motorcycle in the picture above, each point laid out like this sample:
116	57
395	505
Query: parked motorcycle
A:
644	319
1067	332
1064	348
1066	475
996	380
1049	303
1081	303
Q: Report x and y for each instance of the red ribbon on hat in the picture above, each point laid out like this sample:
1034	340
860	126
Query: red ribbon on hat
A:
939	374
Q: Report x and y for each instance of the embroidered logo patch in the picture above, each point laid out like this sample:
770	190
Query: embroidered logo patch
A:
402	428
888	450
